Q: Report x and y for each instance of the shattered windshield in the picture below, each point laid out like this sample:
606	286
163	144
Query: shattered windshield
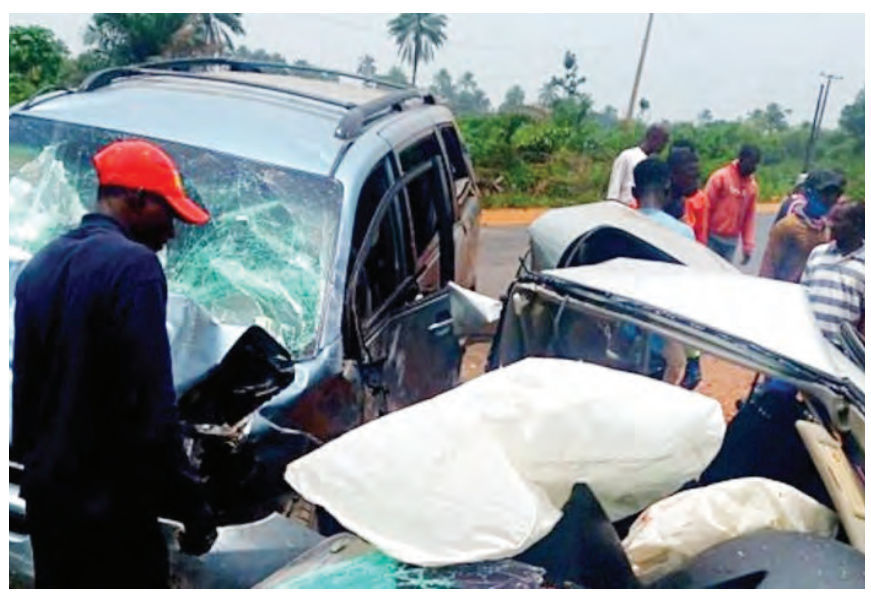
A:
265	258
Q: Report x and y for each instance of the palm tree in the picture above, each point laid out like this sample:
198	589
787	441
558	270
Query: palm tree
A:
213	29
515	99
443	86
206	34
467	82
418	35
132	37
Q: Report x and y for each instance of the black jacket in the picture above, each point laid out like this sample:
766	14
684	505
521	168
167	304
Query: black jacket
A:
94	417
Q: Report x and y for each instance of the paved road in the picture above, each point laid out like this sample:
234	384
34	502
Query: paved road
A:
502	247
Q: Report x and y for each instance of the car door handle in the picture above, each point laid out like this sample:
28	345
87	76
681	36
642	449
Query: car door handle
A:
441	329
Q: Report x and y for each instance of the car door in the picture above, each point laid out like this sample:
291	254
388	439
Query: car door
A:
466	204
403	328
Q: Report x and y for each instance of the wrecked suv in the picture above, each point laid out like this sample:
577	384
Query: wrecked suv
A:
342	208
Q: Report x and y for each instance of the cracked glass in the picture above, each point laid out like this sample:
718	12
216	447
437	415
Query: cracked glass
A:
265	258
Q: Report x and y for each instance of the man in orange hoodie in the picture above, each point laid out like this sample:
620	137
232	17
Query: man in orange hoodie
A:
732	192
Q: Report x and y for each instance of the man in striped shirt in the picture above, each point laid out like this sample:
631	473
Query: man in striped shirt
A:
835	273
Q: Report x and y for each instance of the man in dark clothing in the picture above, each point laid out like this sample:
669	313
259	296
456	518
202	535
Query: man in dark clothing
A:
94	417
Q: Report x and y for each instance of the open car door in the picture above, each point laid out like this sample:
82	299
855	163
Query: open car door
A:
404	335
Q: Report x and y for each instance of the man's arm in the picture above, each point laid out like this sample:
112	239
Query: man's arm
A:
781	243
767	267
675	362
24	406
617	171
713	189
748	230
704	221
142	322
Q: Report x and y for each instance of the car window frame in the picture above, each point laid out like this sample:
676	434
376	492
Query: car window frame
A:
446	211
409	283
460	195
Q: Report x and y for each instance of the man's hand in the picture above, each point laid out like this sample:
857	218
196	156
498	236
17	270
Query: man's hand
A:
198	535
747	257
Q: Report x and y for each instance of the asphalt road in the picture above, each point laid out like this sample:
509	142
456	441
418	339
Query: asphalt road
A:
501	249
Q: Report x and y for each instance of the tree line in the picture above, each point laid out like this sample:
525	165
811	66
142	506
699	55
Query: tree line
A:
554	150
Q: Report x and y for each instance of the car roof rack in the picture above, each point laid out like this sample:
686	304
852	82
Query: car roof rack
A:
350	126
45	94
107	76
236	65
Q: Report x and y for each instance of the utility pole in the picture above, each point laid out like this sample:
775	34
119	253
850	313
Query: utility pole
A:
822	99
638	71
810	142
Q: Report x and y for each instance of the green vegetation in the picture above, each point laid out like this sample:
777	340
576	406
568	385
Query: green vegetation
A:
563	156
36	59
557	152
464	97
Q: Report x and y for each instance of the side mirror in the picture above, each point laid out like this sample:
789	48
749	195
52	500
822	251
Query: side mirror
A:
255	369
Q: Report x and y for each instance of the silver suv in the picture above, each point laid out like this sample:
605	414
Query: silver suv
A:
342	207
318	297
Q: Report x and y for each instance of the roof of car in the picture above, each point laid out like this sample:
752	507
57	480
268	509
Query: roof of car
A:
281	119
340	92
552	234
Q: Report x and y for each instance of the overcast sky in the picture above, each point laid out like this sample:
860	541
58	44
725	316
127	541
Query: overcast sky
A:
729	64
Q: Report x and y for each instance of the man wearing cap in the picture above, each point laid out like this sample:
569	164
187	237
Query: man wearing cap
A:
95	422
818	178
804	227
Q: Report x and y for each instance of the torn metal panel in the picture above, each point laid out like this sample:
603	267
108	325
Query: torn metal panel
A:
541	323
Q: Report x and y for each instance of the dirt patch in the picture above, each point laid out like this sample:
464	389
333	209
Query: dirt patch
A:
726	383
503	217
722	381
474	361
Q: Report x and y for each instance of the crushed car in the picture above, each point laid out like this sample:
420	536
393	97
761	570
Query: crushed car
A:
808	532
589	270
566	312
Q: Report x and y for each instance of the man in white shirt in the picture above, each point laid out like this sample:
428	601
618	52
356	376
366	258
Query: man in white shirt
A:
621	183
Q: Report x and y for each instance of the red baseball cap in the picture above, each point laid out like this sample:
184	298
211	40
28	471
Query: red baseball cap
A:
137	164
